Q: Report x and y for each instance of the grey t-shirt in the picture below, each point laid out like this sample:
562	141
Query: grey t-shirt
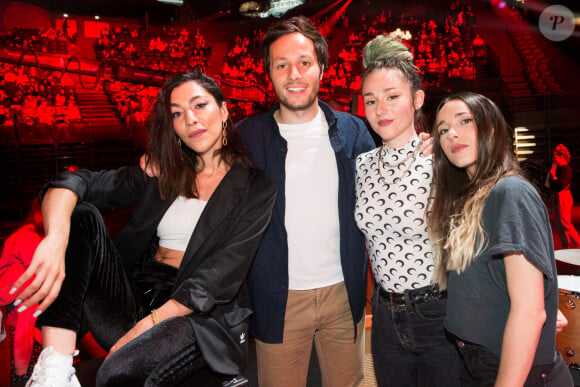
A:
514	219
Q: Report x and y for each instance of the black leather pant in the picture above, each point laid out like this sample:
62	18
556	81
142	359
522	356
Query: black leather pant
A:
97	294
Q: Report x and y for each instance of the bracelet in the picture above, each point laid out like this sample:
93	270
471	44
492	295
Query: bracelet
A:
154	316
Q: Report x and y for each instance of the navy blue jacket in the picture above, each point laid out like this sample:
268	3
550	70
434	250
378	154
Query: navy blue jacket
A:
268	277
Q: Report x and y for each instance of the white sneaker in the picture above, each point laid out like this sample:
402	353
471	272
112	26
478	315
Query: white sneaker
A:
53	370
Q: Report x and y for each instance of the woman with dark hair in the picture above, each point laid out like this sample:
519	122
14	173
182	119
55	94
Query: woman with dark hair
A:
167	298
408	340
559	180
495	251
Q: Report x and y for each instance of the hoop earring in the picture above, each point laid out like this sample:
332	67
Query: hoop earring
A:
179	142
224	134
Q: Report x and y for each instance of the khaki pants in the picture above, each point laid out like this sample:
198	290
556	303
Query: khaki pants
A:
322	315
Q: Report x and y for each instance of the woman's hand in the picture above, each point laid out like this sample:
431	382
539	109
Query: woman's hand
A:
170	309
141	327
561	321
553	171
46	269
427	144
47	273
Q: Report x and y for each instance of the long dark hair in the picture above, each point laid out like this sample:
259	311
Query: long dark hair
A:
456	200
178	164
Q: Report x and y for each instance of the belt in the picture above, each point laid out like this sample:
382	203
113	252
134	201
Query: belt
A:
413	296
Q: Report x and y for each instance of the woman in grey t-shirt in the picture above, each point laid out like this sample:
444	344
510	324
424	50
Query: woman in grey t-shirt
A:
493	238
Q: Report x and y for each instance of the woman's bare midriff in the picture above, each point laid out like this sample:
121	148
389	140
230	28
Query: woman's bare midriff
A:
169	256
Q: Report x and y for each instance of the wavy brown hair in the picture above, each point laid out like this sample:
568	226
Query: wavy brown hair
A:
456	201
178	164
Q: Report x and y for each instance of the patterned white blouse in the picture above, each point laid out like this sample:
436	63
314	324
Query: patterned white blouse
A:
391	212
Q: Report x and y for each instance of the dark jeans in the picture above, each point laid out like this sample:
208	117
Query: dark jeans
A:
410	346
481	367
98	294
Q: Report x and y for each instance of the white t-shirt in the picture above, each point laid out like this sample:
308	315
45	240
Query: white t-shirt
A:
311	216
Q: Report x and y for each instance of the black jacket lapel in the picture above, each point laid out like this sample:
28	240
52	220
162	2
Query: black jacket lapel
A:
223	201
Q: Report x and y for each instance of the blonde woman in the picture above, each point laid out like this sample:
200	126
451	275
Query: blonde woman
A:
495	250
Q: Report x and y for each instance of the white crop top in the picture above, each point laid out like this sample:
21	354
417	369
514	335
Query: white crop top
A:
177	225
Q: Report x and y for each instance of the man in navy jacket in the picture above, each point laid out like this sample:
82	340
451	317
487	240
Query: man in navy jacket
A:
308	280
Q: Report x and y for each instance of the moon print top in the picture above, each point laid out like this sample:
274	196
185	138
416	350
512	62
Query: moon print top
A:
392	192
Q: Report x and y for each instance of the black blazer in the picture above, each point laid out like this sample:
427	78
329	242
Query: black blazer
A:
211	278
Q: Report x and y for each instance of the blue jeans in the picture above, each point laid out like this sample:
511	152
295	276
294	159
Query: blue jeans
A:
410	346
481	367
97	293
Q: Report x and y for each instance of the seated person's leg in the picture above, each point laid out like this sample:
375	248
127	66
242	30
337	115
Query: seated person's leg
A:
96	289
164	355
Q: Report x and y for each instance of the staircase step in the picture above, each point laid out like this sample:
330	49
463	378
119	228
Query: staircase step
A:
517	86
104	122
96	107
94	101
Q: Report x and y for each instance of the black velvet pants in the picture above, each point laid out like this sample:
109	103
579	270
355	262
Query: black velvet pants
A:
97	294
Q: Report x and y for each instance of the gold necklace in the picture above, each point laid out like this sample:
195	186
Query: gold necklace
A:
411	156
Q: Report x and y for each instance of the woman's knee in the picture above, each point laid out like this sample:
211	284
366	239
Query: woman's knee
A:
88	218
88	232
122	371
